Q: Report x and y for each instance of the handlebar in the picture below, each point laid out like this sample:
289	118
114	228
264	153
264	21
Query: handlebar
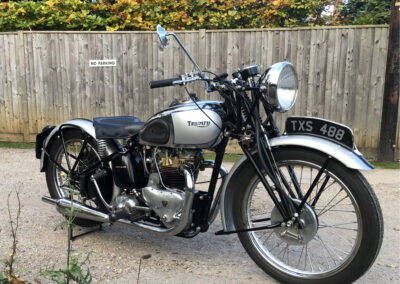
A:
163	83
181	80
218	83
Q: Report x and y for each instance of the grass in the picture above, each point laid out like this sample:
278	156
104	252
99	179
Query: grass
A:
229	158
383	165
232	158
17	145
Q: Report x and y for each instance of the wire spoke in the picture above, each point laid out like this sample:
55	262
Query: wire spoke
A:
307	257
326	187
333	251
342	228
331	200
268	237
326	258
261	214
341	237
323	212
283	250
326	248
339	210
341	224
329	248
276	246
301	253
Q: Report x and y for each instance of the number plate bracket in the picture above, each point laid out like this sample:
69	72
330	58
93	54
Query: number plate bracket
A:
327	129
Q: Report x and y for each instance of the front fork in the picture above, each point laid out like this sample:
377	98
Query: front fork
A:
289	210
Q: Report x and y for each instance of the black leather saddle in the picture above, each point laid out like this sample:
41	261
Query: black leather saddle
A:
116	126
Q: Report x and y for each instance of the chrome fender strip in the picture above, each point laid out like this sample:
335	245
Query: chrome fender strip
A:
85	124
352	159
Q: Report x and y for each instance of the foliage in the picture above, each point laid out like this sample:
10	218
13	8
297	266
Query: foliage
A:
75	272
3	279
362	12
11	260
14	224
146	14
49	15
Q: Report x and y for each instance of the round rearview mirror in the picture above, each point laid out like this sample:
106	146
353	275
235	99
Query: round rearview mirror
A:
162	34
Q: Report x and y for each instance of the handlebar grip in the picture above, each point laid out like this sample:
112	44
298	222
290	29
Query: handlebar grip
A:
163	83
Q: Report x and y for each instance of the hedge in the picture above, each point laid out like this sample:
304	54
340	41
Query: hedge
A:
146	14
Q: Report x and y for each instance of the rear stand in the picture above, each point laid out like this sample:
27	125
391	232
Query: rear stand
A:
73	238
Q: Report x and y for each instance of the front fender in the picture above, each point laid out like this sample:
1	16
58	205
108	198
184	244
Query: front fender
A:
84	124
350	158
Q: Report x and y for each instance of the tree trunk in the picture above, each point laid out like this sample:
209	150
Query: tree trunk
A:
387	141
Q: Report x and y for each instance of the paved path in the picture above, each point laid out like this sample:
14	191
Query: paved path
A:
117	250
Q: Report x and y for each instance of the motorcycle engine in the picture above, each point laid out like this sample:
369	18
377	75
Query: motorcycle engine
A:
164	193
171	160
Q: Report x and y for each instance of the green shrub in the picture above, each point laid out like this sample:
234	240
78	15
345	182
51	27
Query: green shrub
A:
146	14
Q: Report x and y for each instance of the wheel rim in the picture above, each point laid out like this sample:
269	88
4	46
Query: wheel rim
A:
63	183
336	241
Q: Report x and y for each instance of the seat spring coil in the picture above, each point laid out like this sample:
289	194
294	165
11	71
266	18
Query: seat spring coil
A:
102	147
244	113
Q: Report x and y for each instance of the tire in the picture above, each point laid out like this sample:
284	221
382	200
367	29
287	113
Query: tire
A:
340	240
73	138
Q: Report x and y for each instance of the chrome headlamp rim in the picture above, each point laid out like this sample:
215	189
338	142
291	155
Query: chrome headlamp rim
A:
271	82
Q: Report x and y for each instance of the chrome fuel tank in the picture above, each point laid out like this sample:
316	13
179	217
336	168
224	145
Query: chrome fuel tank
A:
185	125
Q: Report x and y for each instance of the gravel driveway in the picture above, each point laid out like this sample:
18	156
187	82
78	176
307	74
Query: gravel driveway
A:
117	250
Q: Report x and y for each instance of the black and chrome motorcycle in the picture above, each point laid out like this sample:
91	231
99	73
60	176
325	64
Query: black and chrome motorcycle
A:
300	206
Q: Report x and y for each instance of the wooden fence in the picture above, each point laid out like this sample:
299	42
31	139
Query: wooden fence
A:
45	77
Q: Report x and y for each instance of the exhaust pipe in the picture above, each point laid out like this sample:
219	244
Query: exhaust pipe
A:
84	212
80	211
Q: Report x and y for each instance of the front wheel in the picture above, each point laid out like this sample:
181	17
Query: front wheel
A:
340	228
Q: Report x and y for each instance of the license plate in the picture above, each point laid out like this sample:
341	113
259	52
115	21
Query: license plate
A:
339	133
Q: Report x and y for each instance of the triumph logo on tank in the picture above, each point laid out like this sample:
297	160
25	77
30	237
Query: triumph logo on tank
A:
199	123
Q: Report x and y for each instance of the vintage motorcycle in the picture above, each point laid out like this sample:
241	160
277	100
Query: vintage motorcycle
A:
300	206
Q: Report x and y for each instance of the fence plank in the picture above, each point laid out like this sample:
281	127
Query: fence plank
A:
45	77
3	77
22	94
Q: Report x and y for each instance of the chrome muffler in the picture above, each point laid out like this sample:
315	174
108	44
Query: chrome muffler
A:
80	211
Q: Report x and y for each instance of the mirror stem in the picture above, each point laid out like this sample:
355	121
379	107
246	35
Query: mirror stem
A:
187	52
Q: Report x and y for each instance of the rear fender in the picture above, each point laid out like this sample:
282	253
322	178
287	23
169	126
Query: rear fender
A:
242	169
80	123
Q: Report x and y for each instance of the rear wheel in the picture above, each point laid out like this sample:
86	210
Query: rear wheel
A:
60	184
341	226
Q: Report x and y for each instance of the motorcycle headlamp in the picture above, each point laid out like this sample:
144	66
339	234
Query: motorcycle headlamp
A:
281	86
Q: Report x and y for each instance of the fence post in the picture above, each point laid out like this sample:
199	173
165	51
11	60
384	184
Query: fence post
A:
22	93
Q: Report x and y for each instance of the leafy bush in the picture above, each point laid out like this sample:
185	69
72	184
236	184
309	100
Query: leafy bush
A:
49	15
146	14
363	12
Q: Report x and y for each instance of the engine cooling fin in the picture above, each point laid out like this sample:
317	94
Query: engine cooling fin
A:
172	178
